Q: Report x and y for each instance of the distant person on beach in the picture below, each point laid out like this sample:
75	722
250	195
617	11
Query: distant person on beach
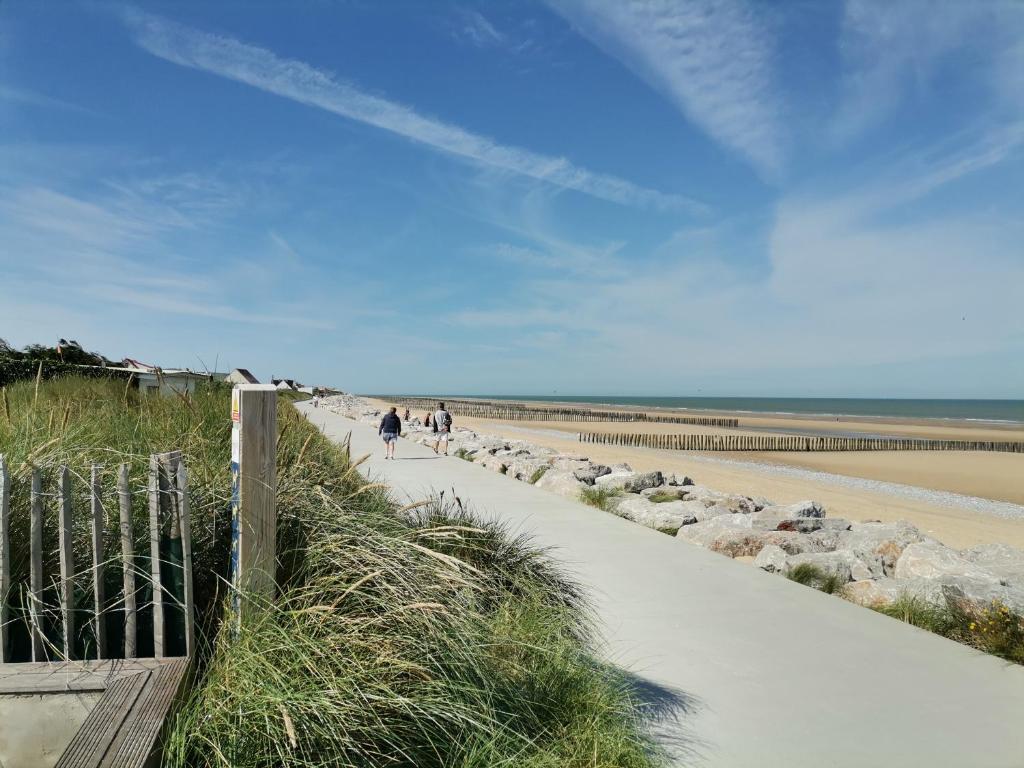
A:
390	428
316	401
407	414
443	427
426	421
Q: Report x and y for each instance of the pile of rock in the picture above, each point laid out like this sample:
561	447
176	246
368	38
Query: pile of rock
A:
877	562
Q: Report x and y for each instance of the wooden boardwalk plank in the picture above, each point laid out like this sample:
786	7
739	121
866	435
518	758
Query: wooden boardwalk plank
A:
68	676
93	740
141	732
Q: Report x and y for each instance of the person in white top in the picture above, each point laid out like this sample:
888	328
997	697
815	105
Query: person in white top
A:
442	428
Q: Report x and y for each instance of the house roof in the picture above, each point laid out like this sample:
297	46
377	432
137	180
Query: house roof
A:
244	373
136	365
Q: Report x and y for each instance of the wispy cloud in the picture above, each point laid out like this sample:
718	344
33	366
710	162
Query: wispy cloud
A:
23	96
113	249
713	58
478	30
303	83
892	51
858	276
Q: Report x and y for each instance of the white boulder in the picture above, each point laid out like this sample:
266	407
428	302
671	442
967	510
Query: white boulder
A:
561	482
932	560
771	558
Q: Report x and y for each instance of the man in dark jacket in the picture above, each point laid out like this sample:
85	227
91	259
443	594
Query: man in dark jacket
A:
390	429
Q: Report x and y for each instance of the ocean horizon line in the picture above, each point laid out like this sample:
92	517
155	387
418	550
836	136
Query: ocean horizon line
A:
987	410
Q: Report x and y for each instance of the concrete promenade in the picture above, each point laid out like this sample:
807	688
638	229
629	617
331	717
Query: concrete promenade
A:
746	668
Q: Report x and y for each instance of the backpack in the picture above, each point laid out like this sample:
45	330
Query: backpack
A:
447	420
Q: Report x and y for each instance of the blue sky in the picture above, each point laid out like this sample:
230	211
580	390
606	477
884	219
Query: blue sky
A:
573	196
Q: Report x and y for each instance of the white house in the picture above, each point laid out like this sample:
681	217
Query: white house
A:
165	381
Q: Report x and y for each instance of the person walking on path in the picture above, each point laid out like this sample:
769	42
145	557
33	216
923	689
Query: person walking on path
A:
390	428
443	427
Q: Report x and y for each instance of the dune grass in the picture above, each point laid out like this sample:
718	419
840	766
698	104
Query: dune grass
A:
401	637
538	474
993	629
602	498
811	575
293	396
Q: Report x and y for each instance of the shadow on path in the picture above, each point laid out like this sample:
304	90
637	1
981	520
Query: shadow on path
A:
666	711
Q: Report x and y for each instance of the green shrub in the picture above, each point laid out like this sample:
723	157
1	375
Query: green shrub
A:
602	498
293	396
12	371
462	453
811	575
994	629
538	474
921	613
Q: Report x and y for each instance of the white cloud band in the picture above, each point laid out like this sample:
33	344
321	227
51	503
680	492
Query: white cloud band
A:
303	83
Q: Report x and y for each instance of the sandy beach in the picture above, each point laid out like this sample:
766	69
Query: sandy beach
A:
789	477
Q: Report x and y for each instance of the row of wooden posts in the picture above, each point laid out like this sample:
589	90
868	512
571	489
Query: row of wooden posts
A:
491	410
168	502
792	443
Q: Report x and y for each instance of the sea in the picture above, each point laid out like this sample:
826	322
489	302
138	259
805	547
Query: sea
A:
1002	411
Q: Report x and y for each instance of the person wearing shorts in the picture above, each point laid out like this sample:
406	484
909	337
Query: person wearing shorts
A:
442	428
390	428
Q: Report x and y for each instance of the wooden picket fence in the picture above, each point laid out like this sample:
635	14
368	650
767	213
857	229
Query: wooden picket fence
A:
57	631
792	443
485	409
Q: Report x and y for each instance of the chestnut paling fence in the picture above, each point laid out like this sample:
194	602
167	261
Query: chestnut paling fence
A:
793	443
485	409
57	603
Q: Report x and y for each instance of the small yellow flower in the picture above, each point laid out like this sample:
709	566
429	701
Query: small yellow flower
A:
972	625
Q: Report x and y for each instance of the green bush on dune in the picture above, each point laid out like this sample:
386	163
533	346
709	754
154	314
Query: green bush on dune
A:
401	637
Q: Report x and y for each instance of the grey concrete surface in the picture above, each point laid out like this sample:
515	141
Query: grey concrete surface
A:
36	728
746	668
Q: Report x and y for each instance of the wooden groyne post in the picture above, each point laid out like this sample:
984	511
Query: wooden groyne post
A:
773	443
514	412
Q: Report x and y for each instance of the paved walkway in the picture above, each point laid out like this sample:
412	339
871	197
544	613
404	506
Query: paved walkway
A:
749	669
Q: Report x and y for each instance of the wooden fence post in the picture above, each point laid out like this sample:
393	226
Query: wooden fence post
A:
5	554
67	565
36	567
99	594
156	577
186	558
254	492
124	497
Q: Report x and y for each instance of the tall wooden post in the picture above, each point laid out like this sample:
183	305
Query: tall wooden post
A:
5	554
254	492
